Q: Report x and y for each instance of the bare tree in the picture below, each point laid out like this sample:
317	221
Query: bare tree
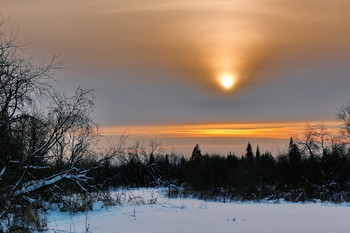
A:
344	118
44	135
315	139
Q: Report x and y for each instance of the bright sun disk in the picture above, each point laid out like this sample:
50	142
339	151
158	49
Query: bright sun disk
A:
227	81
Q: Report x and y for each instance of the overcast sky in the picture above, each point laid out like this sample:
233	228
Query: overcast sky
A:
158	62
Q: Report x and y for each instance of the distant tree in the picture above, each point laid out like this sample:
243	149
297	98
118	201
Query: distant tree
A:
249	155
294	175
315	140
257	153
166	161
344	117
294	153
196	153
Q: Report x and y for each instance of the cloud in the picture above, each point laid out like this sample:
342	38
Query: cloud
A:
192	41
201	40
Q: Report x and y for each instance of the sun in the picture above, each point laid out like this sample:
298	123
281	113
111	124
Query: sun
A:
227	81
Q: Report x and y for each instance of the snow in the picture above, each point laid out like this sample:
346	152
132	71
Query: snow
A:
193	215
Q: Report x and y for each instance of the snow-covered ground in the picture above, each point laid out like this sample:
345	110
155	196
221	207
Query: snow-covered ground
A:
192	216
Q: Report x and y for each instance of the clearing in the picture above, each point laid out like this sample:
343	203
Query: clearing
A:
147	210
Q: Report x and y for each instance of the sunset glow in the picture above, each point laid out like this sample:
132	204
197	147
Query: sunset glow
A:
162	69
282	130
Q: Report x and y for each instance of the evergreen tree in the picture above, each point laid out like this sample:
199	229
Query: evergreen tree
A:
166	160
196	154
257	154
249	152
294	176
152	160
294	153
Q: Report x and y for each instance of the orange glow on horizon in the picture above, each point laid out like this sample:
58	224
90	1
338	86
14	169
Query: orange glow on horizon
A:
226	130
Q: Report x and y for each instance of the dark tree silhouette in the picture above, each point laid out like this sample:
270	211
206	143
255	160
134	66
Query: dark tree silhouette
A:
196	153
249	155
294	153
257	153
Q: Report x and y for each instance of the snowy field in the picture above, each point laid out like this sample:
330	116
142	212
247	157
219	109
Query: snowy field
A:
165	215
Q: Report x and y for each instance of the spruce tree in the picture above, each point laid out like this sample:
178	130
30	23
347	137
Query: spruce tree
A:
294	153
249	152
257	154
196	154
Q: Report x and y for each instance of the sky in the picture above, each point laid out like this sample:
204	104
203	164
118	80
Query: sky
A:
157	66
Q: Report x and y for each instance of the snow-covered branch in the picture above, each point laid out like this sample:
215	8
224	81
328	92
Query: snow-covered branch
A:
38	184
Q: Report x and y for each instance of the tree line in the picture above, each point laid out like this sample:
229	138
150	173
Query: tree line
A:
314	167
294	175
